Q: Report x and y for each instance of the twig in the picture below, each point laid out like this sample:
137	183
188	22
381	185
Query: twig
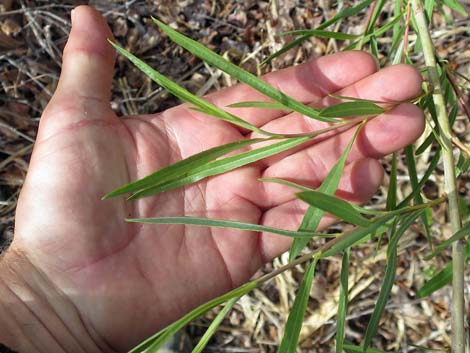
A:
458	333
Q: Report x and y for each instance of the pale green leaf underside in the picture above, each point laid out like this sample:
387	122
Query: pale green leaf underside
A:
182	167
222	223
356	108
221	166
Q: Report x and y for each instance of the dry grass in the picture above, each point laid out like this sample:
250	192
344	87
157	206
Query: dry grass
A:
32	35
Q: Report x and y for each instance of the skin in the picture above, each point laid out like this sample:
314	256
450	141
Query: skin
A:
109	284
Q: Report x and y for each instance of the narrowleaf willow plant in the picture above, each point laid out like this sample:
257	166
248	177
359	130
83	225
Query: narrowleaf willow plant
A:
440	102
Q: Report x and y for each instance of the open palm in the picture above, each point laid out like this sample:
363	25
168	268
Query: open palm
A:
126	280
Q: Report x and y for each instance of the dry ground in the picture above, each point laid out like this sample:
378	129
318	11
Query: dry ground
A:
32	36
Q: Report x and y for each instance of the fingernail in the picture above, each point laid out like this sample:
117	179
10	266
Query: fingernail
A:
72	14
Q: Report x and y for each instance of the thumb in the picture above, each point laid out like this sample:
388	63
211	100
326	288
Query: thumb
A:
87	69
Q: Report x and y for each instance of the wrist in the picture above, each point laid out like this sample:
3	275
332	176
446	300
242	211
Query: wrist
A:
36	317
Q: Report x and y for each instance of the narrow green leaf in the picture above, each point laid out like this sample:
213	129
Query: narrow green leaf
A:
335	206
462	233
389	278
221	166
182	167
351	348
379	4
456	6
374	47
410	162
320	33
286	48
439	280
436	282
341	243
429	8
431	167
185	95
258	104
357	108
304	188
355	99
434	135
222	223
378	32
151	344
296	316
214	325
246	77
285	182
348	11
343	302
312	216
397	11
463	164
392	186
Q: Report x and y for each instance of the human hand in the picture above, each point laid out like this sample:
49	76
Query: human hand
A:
110	283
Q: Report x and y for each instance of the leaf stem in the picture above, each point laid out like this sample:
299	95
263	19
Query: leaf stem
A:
458	336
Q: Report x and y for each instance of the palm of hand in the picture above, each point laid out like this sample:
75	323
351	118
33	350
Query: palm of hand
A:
105	259
145	275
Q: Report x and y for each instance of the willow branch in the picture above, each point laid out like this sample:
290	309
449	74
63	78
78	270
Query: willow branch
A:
458	333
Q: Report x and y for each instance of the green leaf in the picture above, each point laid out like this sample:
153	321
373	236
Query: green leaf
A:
463	165
348	11
460	234
304	188
286	48
456	6
246	77
312	216
320	33
397	11
436	282
285	182
335	206
296	316
392	186
347	240
222	223
151	344
221	166
182	167
258	104
434	135
346	109
429	8
185	95
379	4
343	302
389	278
214	325
351	348
355	99
410	162
431	167
377	33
